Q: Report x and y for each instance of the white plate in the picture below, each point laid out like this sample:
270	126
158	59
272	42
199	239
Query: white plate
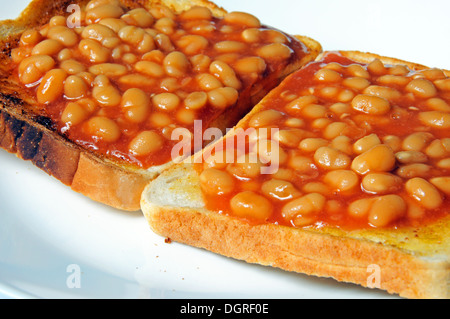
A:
46	229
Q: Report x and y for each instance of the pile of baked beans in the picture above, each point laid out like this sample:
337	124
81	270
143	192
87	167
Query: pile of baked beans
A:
123	79
360	145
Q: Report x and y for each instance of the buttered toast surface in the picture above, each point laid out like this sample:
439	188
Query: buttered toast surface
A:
251	280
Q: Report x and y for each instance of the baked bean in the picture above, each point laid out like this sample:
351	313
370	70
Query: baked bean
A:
290	138
216	182
160	11
200	63
444	163
246	166
379	158
414	170
334	129
176	64
410	157
345	95
186	116
394	142
366	143
52	86
243	19
328	75
329	92
159	119
360	208
342	143
63	34
192	44
20	53
96	3
196	100
316	187
342	180
265	118
270	151
303	211
104	11
104	92
73	114
279	190
298	104
136	105
314	111
75	87
251	35
301	164
145	143
222	98
47	47
166	101
442	183
64	55
433	74
312	144
371	104
31	69
138	17
422	88
165	25
393	80
170	84
294	122
113	24
386	209
274	36
150	68
103	128
250	66
358	70
30	37
340	108
356	83
376	67
97	32
196	13
443	85
331	159
72	66
435	119
108	69
249	204
417	141
381	183
438	148
424	192
437	104
225	74
275	51
388	93
94	51
399	70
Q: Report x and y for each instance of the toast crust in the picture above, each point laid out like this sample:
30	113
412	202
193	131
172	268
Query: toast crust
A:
412	262
31	135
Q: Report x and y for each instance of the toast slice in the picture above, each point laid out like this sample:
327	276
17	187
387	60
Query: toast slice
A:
410	259
27	129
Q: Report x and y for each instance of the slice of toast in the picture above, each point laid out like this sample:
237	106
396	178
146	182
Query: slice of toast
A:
26	130
412	261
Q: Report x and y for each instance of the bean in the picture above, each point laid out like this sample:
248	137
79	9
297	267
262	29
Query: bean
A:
279	190
225	74
424	192
422	88
251	205
410	157
366	143
136	105
303	211
386	209
222	98
145	143
342	180
331	159
414	170
52	86
138	17
103	128
435	119
379	158
75	87
371	104
381	183
265	118
31	69
442	183
242	18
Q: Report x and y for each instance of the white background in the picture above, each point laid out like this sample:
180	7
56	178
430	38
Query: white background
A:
45	227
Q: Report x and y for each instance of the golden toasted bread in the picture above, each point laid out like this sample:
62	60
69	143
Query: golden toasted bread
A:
27	129
408	259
